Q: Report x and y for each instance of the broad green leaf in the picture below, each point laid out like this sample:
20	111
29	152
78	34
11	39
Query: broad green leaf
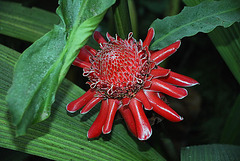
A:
191	20
64	137
218	152
42	67
25	23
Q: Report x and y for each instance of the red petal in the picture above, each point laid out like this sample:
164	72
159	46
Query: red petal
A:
160	86
160	72
96	128
161	108
179	80
82	64
142	97
149	37
99	38
91	50
128	117
109	37
159	56
125	101
84	54
81	101
113	106
144	130
90	104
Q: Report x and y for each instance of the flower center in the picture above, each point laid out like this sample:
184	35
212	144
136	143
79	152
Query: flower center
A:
120	69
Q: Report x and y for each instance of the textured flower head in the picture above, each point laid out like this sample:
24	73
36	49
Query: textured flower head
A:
124	75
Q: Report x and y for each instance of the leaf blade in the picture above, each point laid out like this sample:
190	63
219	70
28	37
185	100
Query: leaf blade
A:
192	20
24	23
42	67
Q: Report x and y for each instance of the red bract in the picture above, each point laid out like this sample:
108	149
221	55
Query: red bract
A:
124	75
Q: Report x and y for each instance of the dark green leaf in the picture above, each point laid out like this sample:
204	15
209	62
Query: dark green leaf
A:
122	19
191	20
25	23
218	152
231	130
62	137
42	67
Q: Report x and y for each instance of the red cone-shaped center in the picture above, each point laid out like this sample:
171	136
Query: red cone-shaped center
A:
120	69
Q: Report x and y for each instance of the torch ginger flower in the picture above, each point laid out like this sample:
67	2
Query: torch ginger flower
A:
124	75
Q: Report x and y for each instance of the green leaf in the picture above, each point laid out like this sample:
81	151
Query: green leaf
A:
211	152
122	18
64	137
227	42
42	67
24	23
231	130
191	20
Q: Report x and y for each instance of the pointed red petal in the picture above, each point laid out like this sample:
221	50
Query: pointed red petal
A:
144	130
96	128
125	101
82	64
98	37
161	108
113	106
179	80
91	50
84	54
160	86
149	37
81	101
160	72
142	97
90	104
128	118
159	56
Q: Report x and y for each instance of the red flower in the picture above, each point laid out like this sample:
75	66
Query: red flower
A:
124	75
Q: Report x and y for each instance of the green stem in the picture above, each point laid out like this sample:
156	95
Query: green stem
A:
122	18
133	18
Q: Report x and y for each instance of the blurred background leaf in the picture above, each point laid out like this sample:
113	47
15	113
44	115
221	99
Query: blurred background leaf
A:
25	23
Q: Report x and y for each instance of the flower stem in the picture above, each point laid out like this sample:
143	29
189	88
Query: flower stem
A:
122	18
133	18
